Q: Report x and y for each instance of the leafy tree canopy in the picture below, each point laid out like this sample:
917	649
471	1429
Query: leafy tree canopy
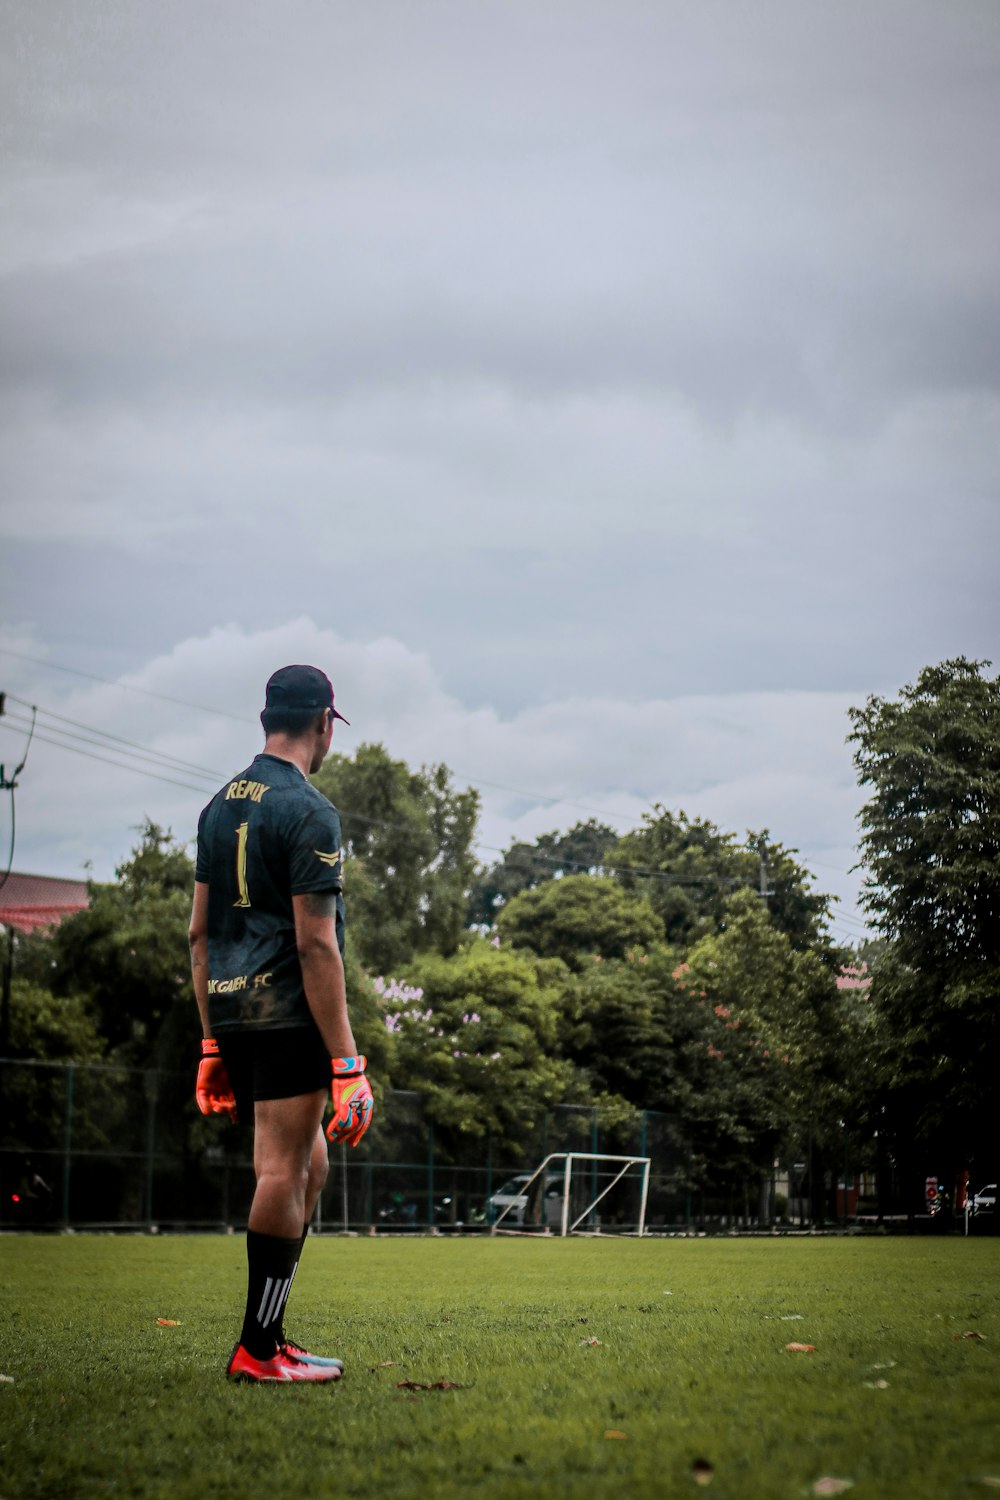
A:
931	846
688	868
578	916
615	1030
931	828
476	1035
758	1030
127	953
408	836
523	866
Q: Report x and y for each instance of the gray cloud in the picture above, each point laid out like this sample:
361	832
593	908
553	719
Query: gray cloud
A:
642	353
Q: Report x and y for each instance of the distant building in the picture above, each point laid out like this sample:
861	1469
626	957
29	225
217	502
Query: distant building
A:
28	902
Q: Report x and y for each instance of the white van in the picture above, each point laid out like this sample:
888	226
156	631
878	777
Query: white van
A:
985	1201
513	1192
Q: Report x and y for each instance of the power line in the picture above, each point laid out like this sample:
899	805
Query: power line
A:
476	781
105	741
126	687
134	752
9	784
119	765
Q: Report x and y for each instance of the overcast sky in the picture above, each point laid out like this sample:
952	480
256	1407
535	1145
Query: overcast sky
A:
605	393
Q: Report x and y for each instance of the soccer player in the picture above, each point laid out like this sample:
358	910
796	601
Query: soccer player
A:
267	938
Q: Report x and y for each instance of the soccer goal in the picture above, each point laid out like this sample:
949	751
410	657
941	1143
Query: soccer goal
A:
569	1158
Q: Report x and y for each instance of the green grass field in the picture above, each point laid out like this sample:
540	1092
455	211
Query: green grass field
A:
677	1344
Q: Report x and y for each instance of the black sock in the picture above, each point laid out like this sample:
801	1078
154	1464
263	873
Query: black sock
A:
281	1329
271	1263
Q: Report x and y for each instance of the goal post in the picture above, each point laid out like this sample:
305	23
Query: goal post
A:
568	1158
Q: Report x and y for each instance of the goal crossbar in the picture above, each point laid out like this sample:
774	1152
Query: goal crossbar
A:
569	1157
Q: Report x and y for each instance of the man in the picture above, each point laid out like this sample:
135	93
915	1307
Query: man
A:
267	938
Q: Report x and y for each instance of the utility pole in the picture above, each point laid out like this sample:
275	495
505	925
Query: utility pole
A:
762	856
8	969
9	784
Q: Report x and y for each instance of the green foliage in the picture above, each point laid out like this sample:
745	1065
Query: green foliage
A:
615	1029
46	1029
367	1019
478	1041
524	866
126	955
687	868
408	835
51	1028
931	829
578	916
761	1038
931	845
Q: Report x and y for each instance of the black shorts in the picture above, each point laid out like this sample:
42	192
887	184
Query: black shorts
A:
280	1064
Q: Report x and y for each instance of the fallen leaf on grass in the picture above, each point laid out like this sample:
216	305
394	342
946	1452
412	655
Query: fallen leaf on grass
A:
970	1333
437	1385
792	1317
801	1348
167	1323
876	1385
387	1364
890	1364
702	1471
613	1432
830	1486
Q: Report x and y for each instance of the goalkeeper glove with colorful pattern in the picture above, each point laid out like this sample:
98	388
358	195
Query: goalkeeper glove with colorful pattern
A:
352	1100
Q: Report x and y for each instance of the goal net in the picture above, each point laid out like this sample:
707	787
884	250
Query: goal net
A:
561	1179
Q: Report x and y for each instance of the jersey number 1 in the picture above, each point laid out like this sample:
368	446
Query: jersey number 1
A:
241	865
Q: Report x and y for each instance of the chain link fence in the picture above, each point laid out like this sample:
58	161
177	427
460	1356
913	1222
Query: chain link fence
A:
92	1146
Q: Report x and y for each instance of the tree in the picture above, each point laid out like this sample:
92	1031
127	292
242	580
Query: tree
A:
931	829
773	1060
688	868
45	1030
127	954
614	1028
581	851
931	845
408	836
578	916
476	1035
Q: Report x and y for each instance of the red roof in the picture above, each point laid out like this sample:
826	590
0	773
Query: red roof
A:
30	901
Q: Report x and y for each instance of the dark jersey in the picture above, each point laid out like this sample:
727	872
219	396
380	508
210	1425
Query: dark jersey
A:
267	836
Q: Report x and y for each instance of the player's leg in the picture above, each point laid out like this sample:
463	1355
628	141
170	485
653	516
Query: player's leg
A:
285	1131
284	1138
319	1167
319	1171
283	1087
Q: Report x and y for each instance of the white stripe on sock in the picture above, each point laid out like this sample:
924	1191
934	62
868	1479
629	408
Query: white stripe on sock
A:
263	1301
277	1302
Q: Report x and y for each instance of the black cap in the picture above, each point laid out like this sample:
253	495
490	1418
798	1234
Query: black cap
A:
300	690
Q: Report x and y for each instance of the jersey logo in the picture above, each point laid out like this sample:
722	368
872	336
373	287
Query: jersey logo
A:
328	859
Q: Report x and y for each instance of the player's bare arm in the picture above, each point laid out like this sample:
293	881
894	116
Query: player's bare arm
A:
323	969
198	943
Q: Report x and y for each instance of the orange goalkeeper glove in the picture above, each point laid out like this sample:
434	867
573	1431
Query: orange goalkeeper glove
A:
352	1100
213	1092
